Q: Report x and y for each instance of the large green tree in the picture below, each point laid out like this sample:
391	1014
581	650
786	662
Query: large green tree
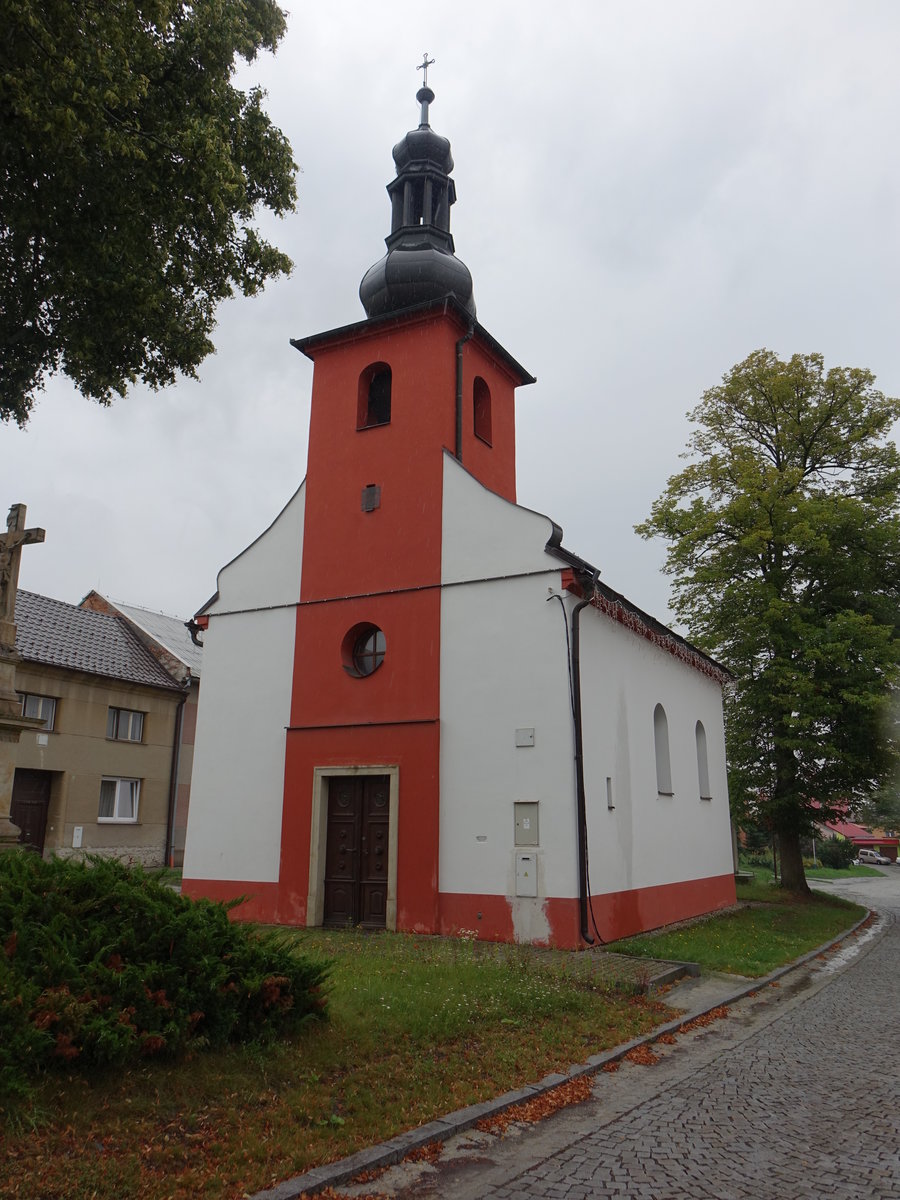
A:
784	548
130	170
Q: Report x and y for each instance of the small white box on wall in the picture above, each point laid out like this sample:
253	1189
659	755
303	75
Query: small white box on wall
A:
526	875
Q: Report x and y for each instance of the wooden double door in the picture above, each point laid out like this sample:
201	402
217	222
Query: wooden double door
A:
28	810
356	855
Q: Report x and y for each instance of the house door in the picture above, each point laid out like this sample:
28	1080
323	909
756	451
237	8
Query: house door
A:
30	801
356	855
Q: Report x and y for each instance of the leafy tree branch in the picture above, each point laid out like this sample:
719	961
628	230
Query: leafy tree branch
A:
130	172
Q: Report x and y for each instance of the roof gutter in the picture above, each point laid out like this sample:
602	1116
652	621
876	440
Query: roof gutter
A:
173	780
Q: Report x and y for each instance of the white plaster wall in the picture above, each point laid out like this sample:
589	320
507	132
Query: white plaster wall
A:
503	667
237	787
648	839
484	535
267	572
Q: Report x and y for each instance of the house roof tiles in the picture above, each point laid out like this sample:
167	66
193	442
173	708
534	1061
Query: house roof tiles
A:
57	634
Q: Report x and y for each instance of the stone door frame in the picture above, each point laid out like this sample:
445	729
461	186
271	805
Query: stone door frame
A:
315	903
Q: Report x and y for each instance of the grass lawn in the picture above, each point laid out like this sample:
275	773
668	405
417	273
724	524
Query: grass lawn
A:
843	873
764	876
772	931
419	1026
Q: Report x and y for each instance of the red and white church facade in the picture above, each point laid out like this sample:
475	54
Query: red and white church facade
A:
420	711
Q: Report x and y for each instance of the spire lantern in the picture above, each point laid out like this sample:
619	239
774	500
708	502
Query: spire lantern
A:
420	264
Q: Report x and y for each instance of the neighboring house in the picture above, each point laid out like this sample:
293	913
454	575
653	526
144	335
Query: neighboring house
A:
420	710
99	777
862	838
170	643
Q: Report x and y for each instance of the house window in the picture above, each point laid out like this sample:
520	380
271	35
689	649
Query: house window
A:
481	398
119	800
40	707
702	762
373	406
363	650
125	725
661	746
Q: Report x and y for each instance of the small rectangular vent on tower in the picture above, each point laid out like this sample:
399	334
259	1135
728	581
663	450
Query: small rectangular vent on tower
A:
371	497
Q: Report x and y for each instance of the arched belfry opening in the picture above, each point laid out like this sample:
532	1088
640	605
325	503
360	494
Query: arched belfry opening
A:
481	410
373	406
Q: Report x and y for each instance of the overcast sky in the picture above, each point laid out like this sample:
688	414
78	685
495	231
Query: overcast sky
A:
647	192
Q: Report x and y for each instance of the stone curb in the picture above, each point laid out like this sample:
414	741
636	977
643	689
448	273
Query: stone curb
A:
388	1153
677	970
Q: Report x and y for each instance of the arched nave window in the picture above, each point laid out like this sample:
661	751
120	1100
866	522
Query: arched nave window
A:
661	746
702	762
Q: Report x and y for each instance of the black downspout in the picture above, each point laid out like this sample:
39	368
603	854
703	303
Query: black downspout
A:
580	801
459	390
173	781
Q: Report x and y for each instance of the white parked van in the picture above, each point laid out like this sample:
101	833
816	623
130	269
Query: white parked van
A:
872	856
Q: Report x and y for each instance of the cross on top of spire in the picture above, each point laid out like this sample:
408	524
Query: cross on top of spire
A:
424	95
423	67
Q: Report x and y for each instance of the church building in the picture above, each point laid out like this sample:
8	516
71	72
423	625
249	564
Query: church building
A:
420	710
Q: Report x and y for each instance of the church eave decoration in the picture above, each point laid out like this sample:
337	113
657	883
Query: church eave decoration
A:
618	608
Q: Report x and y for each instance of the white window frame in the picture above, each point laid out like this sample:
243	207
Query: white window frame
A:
129	789
123	723
41	706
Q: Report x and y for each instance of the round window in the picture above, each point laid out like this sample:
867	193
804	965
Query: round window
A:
363	650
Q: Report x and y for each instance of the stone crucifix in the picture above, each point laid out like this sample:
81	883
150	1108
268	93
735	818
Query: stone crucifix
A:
12	723
11	544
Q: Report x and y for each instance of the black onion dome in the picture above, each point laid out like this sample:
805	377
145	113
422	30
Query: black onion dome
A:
420	264
423	148
415	274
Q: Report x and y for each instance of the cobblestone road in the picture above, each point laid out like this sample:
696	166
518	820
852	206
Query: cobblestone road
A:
797	1094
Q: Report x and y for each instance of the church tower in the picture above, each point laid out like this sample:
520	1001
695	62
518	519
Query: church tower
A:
392	395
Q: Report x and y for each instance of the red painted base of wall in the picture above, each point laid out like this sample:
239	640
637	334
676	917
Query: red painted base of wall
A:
261	903
624	913
618	914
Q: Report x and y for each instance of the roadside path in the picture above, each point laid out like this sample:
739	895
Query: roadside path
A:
795	1095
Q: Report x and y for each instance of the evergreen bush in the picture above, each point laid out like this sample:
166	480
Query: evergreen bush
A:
836	852
103	964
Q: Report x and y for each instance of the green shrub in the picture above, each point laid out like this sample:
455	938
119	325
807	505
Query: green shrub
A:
760	860
103	964
836	852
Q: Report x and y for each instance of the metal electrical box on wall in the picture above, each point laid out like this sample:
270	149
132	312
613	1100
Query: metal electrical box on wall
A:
526	875
526	812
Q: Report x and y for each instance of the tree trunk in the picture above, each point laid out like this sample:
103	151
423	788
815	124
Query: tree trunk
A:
793	877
